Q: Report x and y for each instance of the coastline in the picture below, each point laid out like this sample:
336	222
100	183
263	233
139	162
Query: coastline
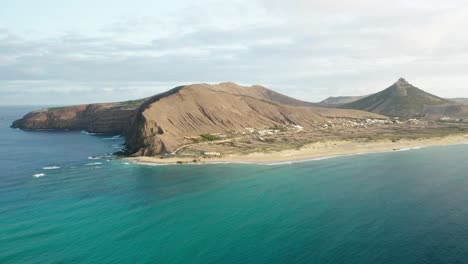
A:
313	151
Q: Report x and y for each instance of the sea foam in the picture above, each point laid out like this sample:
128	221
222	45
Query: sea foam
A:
37	175
97	157
407	149
51	168
113	138
94	163
88	133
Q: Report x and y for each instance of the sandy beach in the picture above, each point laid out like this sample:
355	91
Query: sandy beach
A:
312	151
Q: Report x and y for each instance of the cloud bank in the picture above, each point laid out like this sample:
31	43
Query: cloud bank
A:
306	49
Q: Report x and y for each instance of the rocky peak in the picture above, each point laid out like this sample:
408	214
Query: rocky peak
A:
400	88
402	81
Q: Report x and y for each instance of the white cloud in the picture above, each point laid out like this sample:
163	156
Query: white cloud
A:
309	49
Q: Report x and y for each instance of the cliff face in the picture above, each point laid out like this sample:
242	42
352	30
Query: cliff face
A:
163	122
96	118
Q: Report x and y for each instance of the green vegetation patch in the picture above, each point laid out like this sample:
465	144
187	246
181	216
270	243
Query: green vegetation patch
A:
209	137
133	104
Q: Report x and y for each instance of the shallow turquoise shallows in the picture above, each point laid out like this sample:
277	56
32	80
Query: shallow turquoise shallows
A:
83	207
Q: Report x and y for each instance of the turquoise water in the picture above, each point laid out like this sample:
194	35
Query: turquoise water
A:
399	207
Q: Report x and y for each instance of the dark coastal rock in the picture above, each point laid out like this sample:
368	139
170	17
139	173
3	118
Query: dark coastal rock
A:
112	118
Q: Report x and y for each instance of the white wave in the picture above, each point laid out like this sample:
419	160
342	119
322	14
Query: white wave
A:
113	138
306	160
51	168
407	149
37	175
94	163
150	164
97	157
88	133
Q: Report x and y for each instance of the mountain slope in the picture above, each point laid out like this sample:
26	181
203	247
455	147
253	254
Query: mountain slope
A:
166	119
340	100
280	98
401	99
454	111
256	91
460	100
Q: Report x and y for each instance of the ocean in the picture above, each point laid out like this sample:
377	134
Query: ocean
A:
64	199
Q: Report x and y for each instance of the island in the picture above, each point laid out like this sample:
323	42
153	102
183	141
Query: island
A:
227	122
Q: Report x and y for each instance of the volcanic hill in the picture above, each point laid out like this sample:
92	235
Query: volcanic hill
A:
400	100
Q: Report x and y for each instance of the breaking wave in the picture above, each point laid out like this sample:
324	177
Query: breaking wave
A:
94	163
51	168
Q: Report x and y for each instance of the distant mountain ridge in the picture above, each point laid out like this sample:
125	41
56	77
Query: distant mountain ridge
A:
335	101
400	99
460	100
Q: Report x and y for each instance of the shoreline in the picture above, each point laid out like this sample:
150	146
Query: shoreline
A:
314	151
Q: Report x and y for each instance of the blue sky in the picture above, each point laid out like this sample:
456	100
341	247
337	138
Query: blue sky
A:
69	52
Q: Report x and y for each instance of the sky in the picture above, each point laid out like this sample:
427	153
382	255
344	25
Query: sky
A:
55	52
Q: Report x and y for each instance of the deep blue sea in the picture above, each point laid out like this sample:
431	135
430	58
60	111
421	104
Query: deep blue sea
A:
399	207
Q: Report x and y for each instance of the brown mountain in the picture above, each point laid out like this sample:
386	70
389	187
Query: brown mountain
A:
401	99
114	117
163	121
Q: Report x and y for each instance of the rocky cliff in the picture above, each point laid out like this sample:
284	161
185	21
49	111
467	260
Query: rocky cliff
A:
96	118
